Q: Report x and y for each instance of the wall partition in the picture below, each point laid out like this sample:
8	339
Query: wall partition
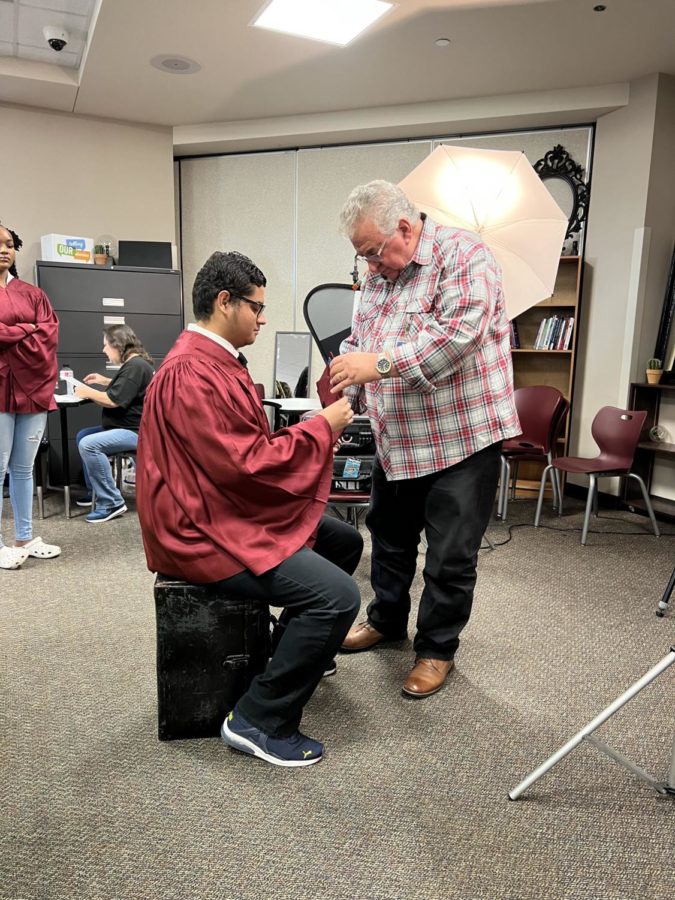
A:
245	203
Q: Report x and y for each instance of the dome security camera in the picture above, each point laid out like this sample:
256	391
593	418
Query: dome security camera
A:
56	37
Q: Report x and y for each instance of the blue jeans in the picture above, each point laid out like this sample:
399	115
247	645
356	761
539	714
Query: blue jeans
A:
20	436
95	446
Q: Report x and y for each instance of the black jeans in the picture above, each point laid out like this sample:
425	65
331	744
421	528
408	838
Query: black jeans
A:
453	506
320	602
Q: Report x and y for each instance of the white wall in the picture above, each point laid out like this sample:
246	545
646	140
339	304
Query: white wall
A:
67	174
629	240
244	203
660	214
660	219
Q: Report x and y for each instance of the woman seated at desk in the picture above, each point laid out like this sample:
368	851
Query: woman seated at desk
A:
122	402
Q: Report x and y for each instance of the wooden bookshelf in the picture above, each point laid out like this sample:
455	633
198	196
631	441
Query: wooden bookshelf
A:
649	397
552	367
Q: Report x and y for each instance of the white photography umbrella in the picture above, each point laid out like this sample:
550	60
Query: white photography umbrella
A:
498	195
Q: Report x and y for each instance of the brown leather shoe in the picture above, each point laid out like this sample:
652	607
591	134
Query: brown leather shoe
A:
361	637
427	676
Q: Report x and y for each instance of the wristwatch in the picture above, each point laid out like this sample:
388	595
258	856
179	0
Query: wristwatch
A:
383	365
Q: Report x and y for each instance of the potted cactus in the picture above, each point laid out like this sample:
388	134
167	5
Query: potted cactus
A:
100	256
654	370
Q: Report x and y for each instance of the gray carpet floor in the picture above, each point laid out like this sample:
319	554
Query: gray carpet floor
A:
411	799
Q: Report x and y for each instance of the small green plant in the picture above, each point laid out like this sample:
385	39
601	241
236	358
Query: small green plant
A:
99	250
654	363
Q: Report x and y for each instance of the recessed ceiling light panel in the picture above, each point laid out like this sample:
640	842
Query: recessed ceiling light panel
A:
332	21
175	65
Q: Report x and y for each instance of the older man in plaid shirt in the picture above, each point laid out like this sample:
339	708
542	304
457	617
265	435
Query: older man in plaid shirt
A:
430	346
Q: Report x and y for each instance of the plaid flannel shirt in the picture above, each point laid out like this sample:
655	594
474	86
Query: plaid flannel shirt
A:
444	324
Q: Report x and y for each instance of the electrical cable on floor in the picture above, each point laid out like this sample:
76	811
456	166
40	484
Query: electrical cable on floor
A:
511	528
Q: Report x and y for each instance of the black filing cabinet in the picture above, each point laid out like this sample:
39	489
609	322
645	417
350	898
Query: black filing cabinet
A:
86	300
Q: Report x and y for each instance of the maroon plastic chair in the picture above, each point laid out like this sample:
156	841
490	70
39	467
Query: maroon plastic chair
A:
542	411
351	502
617	433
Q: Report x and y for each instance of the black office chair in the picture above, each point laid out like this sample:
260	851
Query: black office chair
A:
350	490
118	461
328	313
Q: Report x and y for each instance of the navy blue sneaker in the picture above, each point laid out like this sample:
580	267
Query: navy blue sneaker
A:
105	515
85	500
330	669
297	750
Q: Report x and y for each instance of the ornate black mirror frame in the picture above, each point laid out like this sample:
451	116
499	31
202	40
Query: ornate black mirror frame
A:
557	163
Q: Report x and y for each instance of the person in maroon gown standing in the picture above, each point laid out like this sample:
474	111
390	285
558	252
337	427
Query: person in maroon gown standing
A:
221	499
29	333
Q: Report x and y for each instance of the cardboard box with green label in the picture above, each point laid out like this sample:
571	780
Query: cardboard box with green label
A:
67	248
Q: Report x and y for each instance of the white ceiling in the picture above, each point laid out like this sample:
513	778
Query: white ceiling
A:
22	23
497	47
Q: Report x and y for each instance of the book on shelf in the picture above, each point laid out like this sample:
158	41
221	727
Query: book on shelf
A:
554	333
514	336
540	332
567	341
546	333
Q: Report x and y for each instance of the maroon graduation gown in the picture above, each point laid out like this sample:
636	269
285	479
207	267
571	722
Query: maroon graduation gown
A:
216	492
28	368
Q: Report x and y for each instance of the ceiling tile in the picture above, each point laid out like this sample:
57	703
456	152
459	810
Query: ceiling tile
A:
46	55
7	23
78	7
31	43
33	20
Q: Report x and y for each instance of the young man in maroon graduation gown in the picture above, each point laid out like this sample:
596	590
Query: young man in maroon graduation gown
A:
221	499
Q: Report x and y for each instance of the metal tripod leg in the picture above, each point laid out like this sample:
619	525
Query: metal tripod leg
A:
663	602
662	787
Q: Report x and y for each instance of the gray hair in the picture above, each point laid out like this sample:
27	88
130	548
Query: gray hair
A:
383	202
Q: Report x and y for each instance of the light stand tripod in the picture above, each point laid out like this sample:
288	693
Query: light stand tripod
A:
663	787
663	602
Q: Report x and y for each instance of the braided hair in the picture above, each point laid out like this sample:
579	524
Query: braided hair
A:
18	244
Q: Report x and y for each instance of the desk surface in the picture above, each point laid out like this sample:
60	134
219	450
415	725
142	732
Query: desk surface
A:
293	404
70	400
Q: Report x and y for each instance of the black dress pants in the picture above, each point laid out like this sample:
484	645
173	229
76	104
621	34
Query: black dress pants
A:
320	601
453	507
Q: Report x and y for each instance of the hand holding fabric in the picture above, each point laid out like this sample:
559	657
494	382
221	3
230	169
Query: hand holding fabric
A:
353	368
338	414
323	388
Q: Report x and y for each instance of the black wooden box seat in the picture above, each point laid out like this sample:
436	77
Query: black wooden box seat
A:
209	648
